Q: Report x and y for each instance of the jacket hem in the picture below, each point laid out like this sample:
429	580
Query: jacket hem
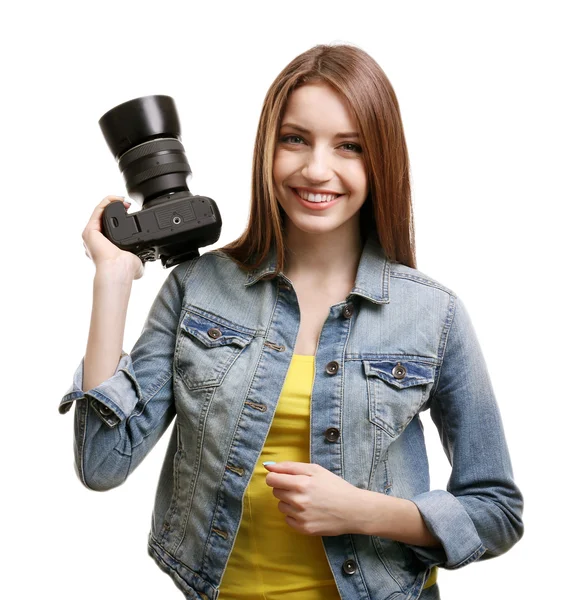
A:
186	580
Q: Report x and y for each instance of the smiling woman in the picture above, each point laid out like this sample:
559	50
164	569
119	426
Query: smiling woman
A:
296	362
330	97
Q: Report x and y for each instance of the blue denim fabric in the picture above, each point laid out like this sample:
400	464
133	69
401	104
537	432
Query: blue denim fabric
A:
214	353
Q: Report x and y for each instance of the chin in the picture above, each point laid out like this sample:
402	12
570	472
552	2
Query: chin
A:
315	228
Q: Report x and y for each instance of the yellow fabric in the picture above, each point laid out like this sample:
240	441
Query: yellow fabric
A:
432	578
271	560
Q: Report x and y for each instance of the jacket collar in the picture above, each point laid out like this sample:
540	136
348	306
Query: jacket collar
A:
372	278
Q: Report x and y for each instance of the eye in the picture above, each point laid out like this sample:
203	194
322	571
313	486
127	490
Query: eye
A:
291	139
350	147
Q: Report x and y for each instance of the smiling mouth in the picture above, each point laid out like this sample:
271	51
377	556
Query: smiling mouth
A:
316	198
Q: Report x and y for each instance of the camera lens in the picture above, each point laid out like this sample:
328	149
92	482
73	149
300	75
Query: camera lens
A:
144	136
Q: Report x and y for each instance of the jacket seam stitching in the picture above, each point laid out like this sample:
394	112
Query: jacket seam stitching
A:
358	563
423	281
221	321
189	270
480	550
83	421
443	343
139	413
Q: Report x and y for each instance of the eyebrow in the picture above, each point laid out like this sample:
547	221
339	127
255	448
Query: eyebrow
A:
350	134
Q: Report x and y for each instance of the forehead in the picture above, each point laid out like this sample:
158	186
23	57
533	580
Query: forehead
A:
319	107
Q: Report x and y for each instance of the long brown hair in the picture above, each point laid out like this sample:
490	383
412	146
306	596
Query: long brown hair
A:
387	210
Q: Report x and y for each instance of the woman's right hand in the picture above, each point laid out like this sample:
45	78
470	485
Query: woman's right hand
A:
101	250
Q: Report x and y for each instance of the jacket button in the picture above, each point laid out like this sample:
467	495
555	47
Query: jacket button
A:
399	371
347	311
332	434
214	333
104	410
332	367
349	567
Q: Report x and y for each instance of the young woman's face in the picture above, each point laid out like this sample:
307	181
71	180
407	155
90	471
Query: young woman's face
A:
319	173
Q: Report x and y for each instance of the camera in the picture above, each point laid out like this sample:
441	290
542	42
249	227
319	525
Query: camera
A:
144	136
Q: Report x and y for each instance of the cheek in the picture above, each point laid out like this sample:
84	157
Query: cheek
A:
354	178
279	168
285	165
359	178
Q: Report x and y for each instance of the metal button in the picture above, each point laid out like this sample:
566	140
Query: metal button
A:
399	371
332	367
214	333
104	410
349	567
332	434
347	311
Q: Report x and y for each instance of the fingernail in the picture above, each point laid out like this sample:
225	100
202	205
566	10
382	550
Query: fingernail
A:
269	462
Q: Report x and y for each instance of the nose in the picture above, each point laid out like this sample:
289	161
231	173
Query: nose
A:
318	166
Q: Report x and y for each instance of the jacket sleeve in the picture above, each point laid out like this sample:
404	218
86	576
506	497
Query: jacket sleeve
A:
479	515
118	422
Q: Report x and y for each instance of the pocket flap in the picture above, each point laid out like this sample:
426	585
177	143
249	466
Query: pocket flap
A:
213	334
414	372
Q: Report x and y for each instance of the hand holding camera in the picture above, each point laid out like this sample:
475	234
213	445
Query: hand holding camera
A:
103	252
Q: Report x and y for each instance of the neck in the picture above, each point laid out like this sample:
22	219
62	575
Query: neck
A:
324	257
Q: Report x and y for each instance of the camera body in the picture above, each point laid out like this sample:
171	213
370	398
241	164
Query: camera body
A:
144	136
171	231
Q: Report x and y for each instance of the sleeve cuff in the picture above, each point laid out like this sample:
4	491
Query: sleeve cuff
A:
449	522
114	399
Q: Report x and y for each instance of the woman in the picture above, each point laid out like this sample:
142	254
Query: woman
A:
297	360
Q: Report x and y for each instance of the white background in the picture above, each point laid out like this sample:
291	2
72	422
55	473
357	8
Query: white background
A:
486	91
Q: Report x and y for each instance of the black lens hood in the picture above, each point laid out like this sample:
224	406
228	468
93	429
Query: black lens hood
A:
138	121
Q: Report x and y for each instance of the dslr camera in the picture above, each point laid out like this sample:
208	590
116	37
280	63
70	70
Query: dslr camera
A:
144	136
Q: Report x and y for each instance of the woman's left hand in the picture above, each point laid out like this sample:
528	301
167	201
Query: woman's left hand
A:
314	500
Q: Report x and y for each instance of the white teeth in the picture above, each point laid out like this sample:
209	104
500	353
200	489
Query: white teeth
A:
316	197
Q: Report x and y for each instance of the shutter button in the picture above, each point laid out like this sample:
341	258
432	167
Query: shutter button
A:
214	333
332	367
332	434
349	567
399	371
347	311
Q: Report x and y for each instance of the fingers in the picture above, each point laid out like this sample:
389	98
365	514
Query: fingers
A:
100	208
295	468
95	221
289	504
110	198
287	482
288	509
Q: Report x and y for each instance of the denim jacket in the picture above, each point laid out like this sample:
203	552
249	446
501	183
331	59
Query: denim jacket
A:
214	353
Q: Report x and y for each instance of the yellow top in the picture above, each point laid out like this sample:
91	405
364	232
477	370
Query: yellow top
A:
271	560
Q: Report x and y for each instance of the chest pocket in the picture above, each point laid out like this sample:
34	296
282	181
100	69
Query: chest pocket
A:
397	388
206	349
